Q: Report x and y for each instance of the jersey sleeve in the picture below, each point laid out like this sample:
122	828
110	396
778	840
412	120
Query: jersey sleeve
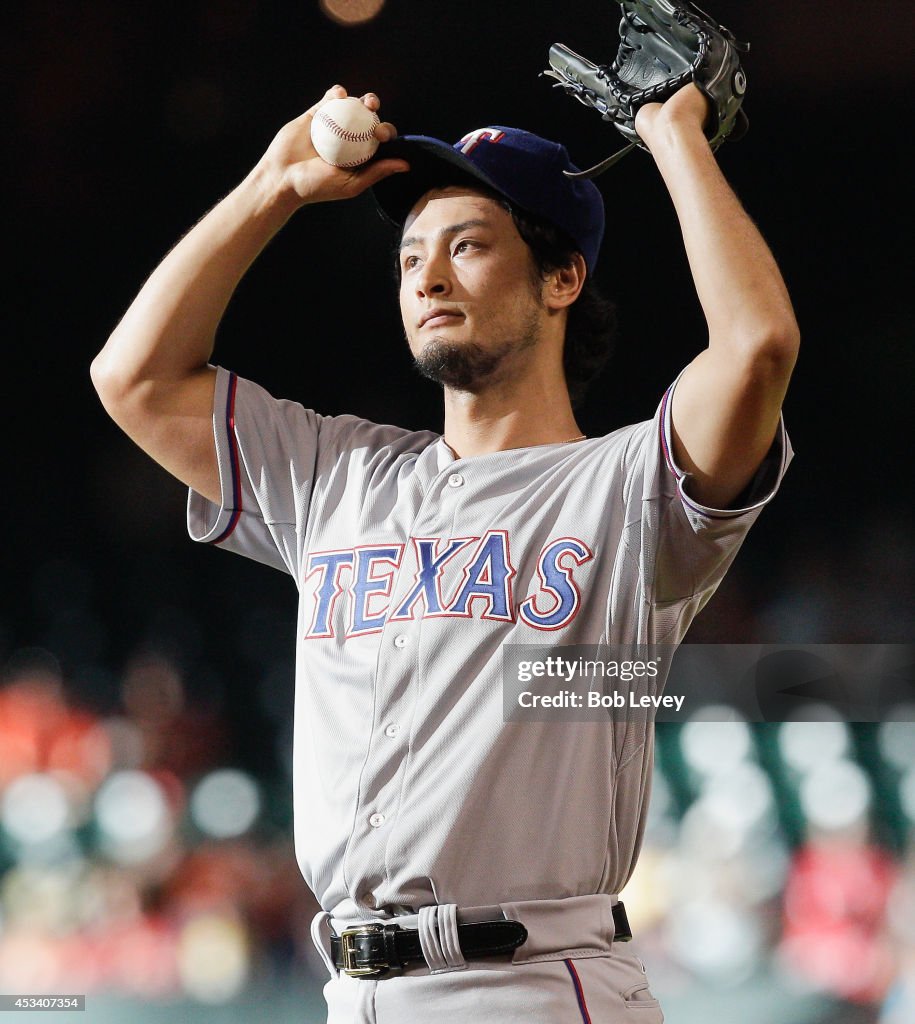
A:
684	548
266	450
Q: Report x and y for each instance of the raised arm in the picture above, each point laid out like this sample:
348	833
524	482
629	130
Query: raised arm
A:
153	375
726	405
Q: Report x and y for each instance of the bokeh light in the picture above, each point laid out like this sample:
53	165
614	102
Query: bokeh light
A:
730	811
804	744
907	794
715	747
35	809
835	795
896	738
742	798
351	12
126	742
225	803
715	940
213	957
133	816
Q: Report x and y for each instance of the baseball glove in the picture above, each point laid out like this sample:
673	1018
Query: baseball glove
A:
664	44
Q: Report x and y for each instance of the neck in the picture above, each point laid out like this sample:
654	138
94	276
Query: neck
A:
516	414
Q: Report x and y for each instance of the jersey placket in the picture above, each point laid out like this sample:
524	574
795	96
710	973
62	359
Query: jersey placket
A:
397	687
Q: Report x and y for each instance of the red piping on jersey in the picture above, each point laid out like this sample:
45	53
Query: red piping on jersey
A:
579	994
233	461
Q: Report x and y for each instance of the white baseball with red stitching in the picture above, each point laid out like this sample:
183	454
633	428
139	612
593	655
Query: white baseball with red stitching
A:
343	132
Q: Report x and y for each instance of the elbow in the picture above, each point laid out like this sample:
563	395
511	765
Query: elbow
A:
111	385
97	373
103	379
783	336
771	352
781	348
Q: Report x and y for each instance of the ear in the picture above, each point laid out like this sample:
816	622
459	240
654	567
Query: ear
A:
563	286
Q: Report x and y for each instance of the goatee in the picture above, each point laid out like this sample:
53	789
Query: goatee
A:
459	367
468	366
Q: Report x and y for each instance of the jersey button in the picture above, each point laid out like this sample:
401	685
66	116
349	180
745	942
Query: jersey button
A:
455	480
376	820
401	641
391	730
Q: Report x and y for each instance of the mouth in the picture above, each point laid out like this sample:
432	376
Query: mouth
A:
438	318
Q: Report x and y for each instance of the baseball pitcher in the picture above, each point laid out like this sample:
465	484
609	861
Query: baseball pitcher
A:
469	868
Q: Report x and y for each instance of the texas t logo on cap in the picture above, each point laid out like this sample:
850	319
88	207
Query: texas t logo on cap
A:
472	139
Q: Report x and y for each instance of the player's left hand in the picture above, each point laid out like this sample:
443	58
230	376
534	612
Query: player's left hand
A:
688	108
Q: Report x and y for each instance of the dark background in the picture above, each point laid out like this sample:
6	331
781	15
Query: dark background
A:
125	123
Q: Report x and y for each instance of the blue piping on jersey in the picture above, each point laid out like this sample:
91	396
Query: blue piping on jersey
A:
233	461
680	475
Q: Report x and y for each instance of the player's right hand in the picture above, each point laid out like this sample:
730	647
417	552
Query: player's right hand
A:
294	171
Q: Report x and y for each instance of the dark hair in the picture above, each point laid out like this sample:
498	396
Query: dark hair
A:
591	327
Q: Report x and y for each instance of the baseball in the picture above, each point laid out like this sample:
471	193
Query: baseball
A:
343	132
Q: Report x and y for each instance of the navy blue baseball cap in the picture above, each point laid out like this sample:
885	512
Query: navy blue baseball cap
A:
524	168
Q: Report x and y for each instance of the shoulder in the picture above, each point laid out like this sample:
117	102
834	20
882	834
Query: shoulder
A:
247	403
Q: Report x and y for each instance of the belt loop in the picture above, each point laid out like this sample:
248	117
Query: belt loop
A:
438	938
320	936
448	934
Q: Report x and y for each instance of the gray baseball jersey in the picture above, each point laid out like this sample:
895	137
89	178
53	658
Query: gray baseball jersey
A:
414	568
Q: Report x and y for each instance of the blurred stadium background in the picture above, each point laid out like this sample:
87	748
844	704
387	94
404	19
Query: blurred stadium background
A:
145	703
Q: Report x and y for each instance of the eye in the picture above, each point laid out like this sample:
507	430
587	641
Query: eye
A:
410	262
463	246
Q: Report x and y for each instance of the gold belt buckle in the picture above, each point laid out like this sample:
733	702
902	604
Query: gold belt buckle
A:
349	951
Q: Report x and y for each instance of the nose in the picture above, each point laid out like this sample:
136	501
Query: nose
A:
433	278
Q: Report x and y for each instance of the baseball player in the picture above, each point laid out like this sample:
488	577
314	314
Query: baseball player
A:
468	867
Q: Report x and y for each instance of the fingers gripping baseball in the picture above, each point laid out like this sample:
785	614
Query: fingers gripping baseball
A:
294	158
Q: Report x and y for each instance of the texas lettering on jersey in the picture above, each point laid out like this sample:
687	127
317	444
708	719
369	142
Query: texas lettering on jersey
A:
462	577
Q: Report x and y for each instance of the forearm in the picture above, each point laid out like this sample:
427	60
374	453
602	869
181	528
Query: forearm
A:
169	330
740	288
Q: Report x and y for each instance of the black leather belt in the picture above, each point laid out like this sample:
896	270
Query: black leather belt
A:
371	950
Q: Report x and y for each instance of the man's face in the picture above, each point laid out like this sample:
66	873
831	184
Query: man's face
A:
470	304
